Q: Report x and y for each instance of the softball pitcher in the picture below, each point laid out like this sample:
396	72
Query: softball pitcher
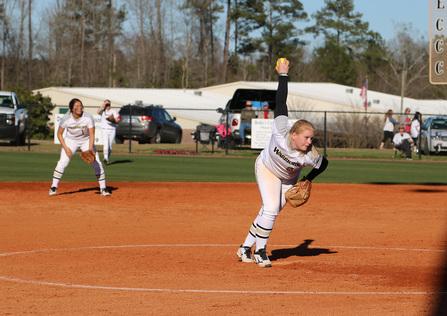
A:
277	169
80	127
109	120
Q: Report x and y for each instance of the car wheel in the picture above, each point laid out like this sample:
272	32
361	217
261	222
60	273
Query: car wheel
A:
21	140
156	139
178	139
425	148
119	140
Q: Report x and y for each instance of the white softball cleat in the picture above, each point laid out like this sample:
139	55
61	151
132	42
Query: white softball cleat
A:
244	254
261	258
104	192
52	191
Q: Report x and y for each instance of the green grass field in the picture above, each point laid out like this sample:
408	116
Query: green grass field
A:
38	166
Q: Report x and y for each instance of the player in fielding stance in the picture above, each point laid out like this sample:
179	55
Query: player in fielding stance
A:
277	169
80	127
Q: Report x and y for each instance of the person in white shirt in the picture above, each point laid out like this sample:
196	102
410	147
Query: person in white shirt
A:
388	128
402	141
415	129
277	169
109	120
79	128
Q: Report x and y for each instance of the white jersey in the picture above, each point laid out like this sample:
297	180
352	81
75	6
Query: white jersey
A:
415	128
283	161
399	138
77	129
105	123
389	125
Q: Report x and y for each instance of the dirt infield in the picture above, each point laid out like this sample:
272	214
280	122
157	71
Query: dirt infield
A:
169	249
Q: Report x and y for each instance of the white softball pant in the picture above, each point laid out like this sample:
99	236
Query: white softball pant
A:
108	137
64	160
272	190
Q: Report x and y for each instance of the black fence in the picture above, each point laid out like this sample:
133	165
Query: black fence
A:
334	129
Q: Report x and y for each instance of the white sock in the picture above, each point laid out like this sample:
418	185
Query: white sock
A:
263	229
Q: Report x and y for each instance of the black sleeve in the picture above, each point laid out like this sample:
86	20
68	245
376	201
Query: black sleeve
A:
281	96
315	172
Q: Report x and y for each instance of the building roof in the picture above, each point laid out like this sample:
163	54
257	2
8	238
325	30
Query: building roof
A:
336	97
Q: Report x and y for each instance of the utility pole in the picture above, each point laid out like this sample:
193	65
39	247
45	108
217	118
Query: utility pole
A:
402	89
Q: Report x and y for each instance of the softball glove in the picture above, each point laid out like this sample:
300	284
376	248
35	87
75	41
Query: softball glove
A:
299	193
88	156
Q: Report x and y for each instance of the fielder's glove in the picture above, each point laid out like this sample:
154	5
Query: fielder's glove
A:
111	119
299	193
88	156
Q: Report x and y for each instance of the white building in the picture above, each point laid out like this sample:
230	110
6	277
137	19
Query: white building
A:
192	107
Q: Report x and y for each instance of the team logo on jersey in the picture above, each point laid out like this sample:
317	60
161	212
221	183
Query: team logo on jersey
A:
283	157
290	170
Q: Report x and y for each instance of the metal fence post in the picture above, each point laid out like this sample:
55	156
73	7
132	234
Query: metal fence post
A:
130	128
28	133
325	134
226	132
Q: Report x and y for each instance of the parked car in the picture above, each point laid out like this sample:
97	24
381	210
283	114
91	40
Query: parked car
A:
434	135
237	103
13	118
147	124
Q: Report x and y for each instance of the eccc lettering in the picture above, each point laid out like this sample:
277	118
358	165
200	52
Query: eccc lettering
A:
280	154
439	42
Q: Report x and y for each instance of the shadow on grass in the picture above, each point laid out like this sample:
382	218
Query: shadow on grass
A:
301	250
115	162
8	144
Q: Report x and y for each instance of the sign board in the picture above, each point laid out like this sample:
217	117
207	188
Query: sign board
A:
438	41
98	130
261	130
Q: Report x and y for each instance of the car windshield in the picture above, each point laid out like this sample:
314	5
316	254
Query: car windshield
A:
136	110
439	124
6	101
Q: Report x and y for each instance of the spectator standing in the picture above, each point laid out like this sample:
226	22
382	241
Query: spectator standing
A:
388	127
402	141
415	129
405	120
266	110
247	114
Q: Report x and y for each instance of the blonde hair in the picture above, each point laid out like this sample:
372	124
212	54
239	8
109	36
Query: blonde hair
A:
301	125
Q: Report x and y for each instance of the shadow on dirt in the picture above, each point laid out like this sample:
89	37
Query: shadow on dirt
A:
110	189
301	250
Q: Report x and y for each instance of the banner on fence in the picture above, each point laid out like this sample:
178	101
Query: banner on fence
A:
261	130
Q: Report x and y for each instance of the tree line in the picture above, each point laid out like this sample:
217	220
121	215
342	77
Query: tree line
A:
198	43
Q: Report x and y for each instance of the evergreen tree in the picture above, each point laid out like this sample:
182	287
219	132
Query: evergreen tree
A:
345	36
39	111
268	30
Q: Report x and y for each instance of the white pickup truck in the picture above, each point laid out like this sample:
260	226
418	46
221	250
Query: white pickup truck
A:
234	108
13	118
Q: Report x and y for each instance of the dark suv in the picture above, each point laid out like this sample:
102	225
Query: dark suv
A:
147	124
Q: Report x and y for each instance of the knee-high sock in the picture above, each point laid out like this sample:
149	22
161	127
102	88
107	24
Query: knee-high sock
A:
58	172
99	172
263	229
57	175
250	240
